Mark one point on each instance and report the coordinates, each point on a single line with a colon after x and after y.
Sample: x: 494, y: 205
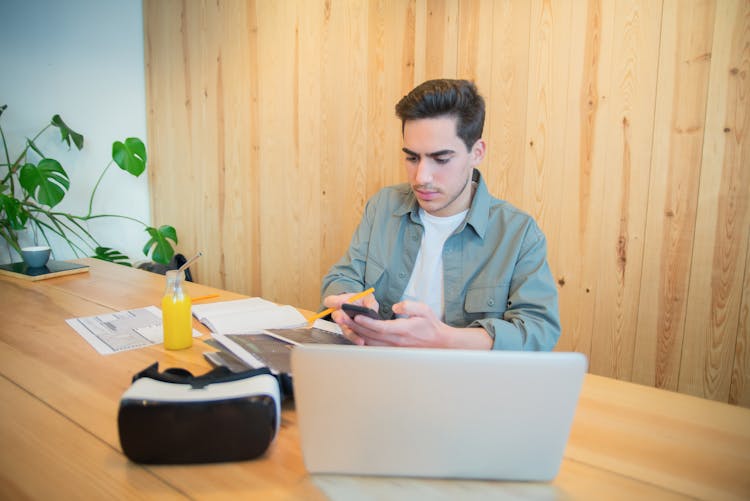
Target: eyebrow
x: 431, y: 155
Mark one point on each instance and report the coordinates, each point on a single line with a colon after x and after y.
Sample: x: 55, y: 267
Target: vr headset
x: 173, y: 417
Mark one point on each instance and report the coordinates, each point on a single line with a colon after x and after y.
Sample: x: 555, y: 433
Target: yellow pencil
x: 201, y: 298
x: 350, y: 300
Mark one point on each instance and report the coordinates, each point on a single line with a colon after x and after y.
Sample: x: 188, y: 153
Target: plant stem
x: 10, y: 240
x: 112, y: 215
x: 44, y: 235
x: 61, y: 232
x: 54, y: 215
x: 81, y: 227
x: 93, y: 192
x: 54, y: 218
x: 15, y: 165
x: 7, y: 157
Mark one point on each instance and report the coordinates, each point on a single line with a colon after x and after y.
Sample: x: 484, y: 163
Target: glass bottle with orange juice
x: 176, y: 315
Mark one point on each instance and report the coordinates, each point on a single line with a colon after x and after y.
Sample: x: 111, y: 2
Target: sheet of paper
x: 122, y: 330
x: 203, y: 311
x: 327, y: 325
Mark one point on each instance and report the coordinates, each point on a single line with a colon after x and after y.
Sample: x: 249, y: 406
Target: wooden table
x: 59, y: 400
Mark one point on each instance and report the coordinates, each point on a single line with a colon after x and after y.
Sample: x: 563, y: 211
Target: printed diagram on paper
x: 123, y: 330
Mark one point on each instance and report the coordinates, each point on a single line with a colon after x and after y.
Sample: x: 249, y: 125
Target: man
x: 452, y: 266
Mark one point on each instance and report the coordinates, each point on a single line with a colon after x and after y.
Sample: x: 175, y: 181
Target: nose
x: 423, y: 175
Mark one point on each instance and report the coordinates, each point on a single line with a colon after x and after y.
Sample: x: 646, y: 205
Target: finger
x: 367, y: 326
x: 378, y: 332
x: 333, y: 301
x: 413, y: 309
x: 343, y: 321
x: 347, y: 324
x: 353, y: 337
x: 375, y: 342
x: 371, y: 302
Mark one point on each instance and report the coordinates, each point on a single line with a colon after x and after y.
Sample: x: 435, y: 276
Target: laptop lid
x: 435, y: 413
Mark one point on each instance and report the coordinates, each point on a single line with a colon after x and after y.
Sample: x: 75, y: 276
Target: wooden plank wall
x: 621, y: 125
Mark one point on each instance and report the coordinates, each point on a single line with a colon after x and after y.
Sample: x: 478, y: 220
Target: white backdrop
x: 83, y: 60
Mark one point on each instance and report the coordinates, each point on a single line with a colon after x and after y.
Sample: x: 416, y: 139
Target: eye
x: 442, y: 160
x: 412, y: 159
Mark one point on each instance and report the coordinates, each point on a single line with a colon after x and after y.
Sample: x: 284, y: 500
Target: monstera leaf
x: 47, y: 182
x: 67, y: 133
x: 14, y: 211
x: 162, y: 249
x: 130, y: 155
x: 111, y: 255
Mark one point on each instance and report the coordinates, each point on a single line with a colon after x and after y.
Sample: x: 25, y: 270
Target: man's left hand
x: 417, y: 327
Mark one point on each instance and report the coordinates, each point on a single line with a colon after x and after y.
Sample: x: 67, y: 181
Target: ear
x: 478, y: 150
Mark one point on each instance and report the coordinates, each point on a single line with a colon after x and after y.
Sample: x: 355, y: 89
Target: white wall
x: 82, y: 59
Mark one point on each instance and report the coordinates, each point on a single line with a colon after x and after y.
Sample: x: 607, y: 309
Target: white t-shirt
x: 426, y: 282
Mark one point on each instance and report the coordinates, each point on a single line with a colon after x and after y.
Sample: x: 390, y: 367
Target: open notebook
x: 435, y: 413
x: 247, y: 315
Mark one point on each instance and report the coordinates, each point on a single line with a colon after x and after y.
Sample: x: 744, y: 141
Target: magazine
x: 272, y: 347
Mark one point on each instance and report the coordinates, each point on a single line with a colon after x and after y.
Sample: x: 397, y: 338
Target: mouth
x: 426, y: 195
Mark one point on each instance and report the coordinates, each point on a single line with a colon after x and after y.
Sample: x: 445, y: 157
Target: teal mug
x: 37, y: 256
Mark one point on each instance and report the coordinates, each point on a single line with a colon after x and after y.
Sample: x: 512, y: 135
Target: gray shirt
x: 495, y: 270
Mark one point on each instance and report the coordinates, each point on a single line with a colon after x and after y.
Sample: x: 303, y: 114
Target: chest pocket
x: 486, y: 302
x: 373, y: 274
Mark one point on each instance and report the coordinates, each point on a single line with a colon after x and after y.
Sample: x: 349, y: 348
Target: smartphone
x: 354, y: 309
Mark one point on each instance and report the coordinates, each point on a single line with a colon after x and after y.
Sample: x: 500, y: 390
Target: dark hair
x: 436, y: 98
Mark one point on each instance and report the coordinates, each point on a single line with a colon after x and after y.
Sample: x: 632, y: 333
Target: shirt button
x: 491, y: 302
x: 402, y: 274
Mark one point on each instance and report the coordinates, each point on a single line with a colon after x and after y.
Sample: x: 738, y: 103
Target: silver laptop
x: 435, y: 413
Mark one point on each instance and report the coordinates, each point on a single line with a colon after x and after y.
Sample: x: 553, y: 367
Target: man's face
x: 439, y: 166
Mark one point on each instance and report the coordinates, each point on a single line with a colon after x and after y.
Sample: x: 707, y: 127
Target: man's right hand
x: 342, y: 319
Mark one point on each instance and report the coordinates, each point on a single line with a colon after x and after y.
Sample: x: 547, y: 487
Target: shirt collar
x: 478, y: 210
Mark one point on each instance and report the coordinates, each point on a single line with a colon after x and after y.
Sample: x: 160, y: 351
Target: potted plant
x: 33, y: 184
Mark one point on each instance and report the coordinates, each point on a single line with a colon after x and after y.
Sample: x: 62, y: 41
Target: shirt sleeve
x: 532, y: 319
x: 348, y: 274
